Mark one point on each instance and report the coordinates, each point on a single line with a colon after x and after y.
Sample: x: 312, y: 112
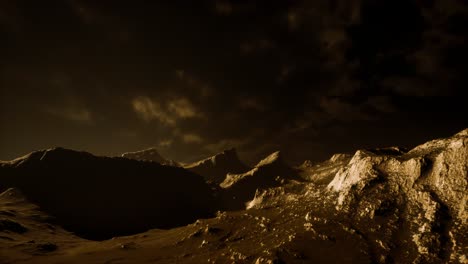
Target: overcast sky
x: 309, y: 78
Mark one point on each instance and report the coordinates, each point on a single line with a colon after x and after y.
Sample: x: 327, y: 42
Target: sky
x: 192, y: 78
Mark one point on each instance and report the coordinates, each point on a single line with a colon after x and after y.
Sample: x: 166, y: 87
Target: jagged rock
x: 101, y: 197
x: 307, y: 164
x: 324, y: 172
x: 269, y: 172
x: 263, y: 198
x: 215, y: 169
x: 390, y: 151
x: 340, y: 157
x: 150, y: 154
x: 419, y: 196
x: 273, y: 161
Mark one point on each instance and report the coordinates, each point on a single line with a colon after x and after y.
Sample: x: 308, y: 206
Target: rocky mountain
x: 101, y: 197
x: 150, y: 154
x: 214, y: 169
x: 324, y: 172
x: 419, y: 197
x: 406, y: 206
x: 269, y: 172
x: 387, y: 205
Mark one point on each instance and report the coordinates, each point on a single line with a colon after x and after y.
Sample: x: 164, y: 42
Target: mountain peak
x: 54, y: 154
x: 61, y: 152
x: 214, y: 169
x: 231, y: 151
x: 150, y: 154
x: 339, y: 157
x: 441, y: 143
x: 275, y: 157
x: 228, y: 154
x: 271, y: 171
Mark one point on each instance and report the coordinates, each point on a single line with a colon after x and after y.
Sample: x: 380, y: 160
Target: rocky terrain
x: 237, y: 189
x: 387, y: 205
x: 324, y: 172
x: 214, y: 169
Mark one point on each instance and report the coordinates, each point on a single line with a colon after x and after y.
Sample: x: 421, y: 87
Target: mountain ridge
x: 215, y: 168
x: 239, y: 189
x: 150, y: 154
x: 383, y: 205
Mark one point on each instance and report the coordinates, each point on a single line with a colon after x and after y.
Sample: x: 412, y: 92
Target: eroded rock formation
x: 417, y: 199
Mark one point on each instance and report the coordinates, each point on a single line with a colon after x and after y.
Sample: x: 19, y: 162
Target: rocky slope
x: 100, y: 197
x: 150, y: 154
x: 214, y: 169
x: 419, y: 198
x: 379, y: 206
x: 406, y: 206
x: 324, y: 172
x: 237, y: 189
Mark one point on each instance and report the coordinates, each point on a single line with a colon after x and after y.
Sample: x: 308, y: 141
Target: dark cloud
x: 224, y: 7
x: 71, y: 113
x: 307, y: 77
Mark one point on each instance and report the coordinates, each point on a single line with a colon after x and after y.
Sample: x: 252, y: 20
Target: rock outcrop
x: 101, y: 197
x: 324, y: 172
x: 418, y: 199
x: 215, y: 169
x: 150, y: 154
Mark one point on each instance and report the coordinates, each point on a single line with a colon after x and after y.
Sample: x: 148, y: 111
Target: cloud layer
x: 307, y: 77
x: 167, y: 113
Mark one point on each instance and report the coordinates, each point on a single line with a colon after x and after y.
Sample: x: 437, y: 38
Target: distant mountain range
x: 150, y: 154
x: 384, y: 205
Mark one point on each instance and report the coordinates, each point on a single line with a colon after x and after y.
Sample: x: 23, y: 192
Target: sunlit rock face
x: 273, y: 166
x: 214, y: 169
x: 418, y: 197
x: 323, y: 173
x: 150, y: 154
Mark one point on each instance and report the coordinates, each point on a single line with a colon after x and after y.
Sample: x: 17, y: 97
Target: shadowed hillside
x: 100, y: 197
